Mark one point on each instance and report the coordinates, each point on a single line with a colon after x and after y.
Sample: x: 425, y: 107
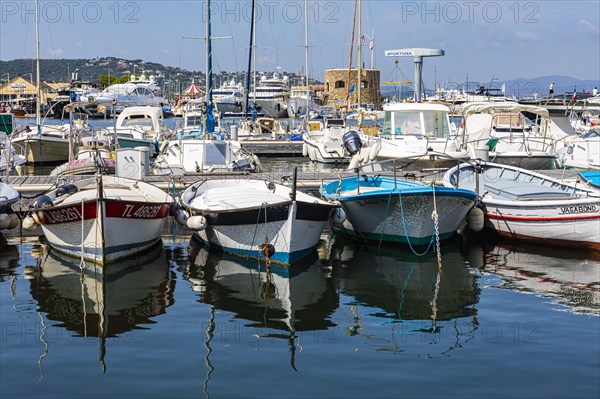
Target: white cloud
x: 58, y: 52
x: 165, y: 51
x: 527, y: 36
x: 79, y: 45
x: 589, y: 27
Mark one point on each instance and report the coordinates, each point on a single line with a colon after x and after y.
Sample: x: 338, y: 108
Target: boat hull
x: 43, y: 150
x: 566, y: 224
x: 273, y: 108
x: 405, y: 219
x: 112, y: 229
x: 293, y: 228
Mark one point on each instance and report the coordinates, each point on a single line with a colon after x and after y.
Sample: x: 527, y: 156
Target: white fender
x: 475, y: 219
x: 29, y: 223
x: 197, y: 223
x: 304, y: 150
x: 373, y: 152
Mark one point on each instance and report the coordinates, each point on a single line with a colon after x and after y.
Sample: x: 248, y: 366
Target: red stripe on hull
x: 135, y: 210
x: 113, y: 209
x: 540, y: 219
x: 67, y: 214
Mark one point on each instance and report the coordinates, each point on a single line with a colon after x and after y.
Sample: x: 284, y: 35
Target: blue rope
x: 406, y: 232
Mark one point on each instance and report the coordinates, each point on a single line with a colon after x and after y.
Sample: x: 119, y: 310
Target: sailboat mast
x: 306, y: 56
x: 250, y: 48
x: 254, y: 45
x: 359, y: 59
x: 208, y: 57
x: 37, y: 67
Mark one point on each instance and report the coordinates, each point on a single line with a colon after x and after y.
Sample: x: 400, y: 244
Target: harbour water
x: 352, y: 321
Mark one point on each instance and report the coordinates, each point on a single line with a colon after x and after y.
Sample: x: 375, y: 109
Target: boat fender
x: 163, y: 146
x: 373, y: 152
x: 365, y: 155
x: 304, y: 150
x: 258, y: 165
x: 476, y: 219
x: 181, y: 217
x: 66, y: 189
x: 14, y: 221
x: 268, y: 249
x: 173, y: 208
x: 29, y: 223
x: 337, y: 216
x: 43, y: 202
x: 197, y: 223
x: 4, y: 221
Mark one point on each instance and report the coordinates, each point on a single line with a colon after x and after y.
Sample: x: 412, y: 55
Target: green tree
x: 106, y: 80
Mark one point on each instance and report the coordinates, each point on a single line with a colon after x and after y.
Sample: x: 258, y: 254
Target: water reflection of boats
x: 403, y: 285
x: 293, y: 299
x: 569, y: 276
x: 9, y: 260
x: 103, y: 302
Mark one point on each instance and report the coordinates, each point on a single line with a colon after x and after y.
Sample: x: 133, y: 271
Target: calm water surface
x: 353, y: 321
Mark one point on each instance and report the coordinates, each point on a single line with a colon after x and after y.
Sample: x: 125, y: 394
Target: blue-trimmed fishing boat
x: 398, y: 211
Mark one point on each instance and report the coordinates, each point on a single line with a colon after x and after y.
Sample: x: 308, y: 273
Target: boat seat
x: 222, y: 198
x: 526, y: 192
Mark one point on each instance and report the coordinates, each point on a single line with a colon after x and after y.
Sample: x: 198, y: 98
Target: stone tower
x: 337, y: 85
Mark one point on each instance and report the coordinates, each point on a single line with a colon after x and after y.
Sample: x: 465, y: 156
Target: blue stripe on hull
x: 91, y: 253
x: 281, y: 258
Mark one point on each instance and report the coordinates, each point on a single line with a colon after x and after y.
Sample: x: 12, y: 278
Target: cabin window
x: 340, y: 84
x: 364, y: 84
x: 406, y: 123
x: 436, y: 124
x: 387, y: 124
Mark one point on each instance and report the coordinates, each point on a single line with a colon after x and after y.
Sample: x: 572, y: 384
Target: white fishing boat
x: 528, y: 206
x: 323, y: 141
x: 510, y: 133
x: 416, y: 134
x: 385, y: 209
x: 140, y: 127
x: 103, y: 218
x: 255, y: 218
x: 10, y: 159
x: 94, y: 153
x: 8, y: 196
x: 582, y: 152
x: 263, y: 128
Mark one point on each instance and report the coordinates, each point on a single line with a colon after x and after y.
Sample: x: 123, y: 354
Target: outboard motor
x: 43, y: 202
x: 66, y: 189
x: 352, y: 142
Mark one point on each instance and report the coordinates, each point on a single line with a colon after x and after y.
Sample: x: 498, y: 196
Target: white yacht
x: 229, y: 97
x: 296, y: 104
x: 271, y: 95
x: 136, y: 92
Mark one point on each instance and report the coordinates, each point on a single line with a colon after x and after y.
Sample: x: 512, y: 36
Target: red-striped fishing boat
x: 529, y: 206
x: 104, y: 218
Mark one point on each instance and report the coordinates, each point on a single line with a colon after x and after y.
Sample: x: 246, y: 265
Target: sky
x: 483, y: 40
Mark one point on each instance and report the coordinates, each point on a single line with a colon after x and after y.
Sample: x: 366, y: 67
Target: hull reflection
x: 103, y: 302
x: 569, y: 276
x: 403, y: 285
x: 293, y: 299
